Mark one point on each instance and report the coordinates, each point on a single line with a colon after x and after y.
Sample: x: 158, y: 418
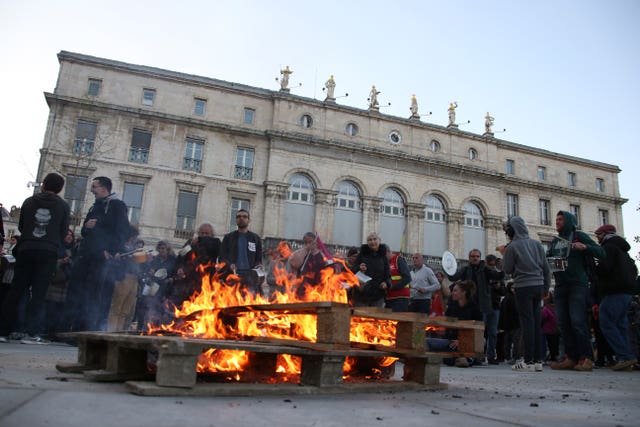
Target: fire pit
x: 225, y: 341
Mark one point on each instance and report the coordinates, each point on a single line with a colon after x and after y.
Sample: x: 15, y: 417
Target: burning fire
x: 204, y: 316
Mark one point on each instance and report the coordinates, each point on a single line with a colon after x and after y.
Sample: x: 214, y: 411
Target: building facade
x: 184, y: 149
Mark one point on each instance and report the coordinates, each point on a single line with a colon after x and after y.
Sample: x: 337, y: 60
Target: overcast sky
x: 558, y: 75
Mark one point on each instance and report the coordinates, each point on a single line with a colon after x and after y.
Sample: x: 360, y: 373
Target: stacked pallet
x: 124, y: 357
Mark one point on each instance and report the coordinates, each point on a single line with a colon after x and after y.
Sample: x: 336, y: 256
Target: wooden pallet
x: 123, y: 357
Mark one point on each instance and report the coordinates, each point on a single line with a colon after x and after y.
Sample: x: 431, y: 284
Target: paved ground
x: 33, y: 394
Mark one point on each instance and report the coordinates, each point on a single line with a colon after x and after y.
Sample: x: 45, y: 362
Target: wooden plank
x: 148, y: 388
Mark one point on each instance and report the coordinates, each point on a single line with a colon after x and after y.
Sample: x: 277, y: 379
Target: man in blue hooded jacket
x: 572, y: 291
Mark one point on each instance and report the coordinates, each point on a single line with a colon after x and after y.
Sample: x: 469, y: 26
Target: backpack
x: 628, y: 269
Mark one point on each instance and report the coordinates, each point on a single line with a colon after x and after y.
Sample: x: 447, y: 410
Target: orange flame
x: 203, y: 316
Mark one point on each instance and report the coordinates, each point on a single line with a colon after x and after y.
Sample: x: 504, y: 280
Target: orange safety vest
x: 396, y: 277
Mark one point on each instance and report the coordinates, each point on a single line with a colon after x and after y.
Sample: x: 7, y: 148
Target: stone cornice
x: 454, y: 169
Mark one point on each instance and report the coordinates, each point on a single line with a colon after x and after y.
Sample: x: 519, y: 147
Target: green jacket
x: 576, y: 271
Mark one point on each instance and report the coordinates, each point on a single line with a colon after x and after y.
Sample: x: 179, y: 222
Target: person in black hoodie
x: 372, y: 261
x: 43, y: 223
x: 104, y: 233
x: 616, y: 274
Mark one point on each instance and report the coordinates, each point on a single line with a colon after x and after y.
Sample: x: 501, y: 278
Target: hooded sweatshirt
x: 524, y: 258
x: 43, y: 223
x: 576, y: 272
x: 614, y: 271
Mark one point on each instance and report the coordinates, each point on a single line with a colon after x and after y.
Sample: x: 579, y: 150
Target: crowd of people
x: 105, y: 280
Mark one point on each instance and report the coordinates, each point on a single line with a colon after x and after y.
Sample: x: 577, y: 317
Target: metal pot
x: 140, y: 257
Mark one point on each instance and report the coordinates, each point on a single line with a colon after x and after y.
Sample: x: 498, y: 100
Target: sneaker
x: 521, y: 366
x: 585, y: 365
x: 462, y: 362
x: 537, y: 367
x: 16, y: 336
x: 565, y: 364
x: 624, y: 365
x: 4, y: 339
x: 493, y: 362
x: 34, y: 340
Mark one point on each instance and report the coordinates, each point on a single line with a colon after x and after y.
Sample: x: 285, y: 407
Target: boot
x: 585, y: 365
x: 564, y: 365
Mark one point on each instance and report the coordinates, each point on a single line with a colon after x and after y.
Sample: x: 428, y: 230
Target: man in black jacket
x: 241, y: 251
x: 104, y: 231
x: 616, y: 273
x: 43, y: 223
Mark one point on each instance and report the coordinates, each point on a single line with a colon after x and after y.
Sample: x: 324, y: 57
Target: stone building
x: 184, y: 149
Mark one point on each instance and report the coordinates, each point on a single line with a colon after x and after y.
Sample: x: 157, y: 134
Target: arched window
x: 306, y: 121
x: 434, y: 239
x: 434, y: 210
x: 300, y: 189
x: 351, y: 129
x: 473, y: 154
x: 348, y: 196
x: 434, y: 146
x: 392, y: 203
x: 347, y: 221
x: 473, y: 215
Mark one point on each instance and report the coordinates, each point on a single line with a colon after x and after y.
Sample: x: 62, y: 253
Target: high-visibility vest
x: 396, y: 278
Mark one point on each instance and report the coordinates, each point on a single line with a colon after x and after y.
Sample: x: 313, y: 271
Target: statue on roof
x: 452, y: 113
x: 330, y: 86
x: 284, y: 78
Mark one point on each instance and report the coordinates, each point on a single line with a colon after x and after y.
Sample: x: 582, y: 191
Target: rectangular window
x: 94, y: 87
x: 603, y: 217
x: 140, y: 145
x: 575, y: 210
x: 148, y: 96
x: 542, y: 173
x: 132, y: 197
x: 512, y: 205
x: 510, y: 167
x: 572, y: 179
x: 74, y: 192
x: 244, y: 163
x: 544, y: 212
x: 600, y: 185
x: 193, y: 155
x: 187, y: 206
x: 85, y: 137
x: 199, y: 106
x: 236, y: 205
x: 249, y: 115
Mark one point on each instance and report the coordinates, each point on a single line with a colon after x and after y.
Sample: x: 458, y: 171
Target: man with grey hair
x: 423, y: 283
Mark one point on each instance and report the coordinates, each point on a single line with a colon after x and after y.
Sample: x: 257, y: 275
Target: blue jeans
x: 571, y: 308
x: 528, y: 302
x: 614, y: 324
x: 491, y: 329
x: 442, y: 345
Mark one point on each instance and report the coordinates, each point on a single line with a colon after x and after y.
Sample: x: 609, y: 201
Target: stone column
x: 495, y: 234
x: 325, y: 213
x: 415, y: 227
x: 455, y: 221
x: 370, y: 215
x: 275, y: 195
